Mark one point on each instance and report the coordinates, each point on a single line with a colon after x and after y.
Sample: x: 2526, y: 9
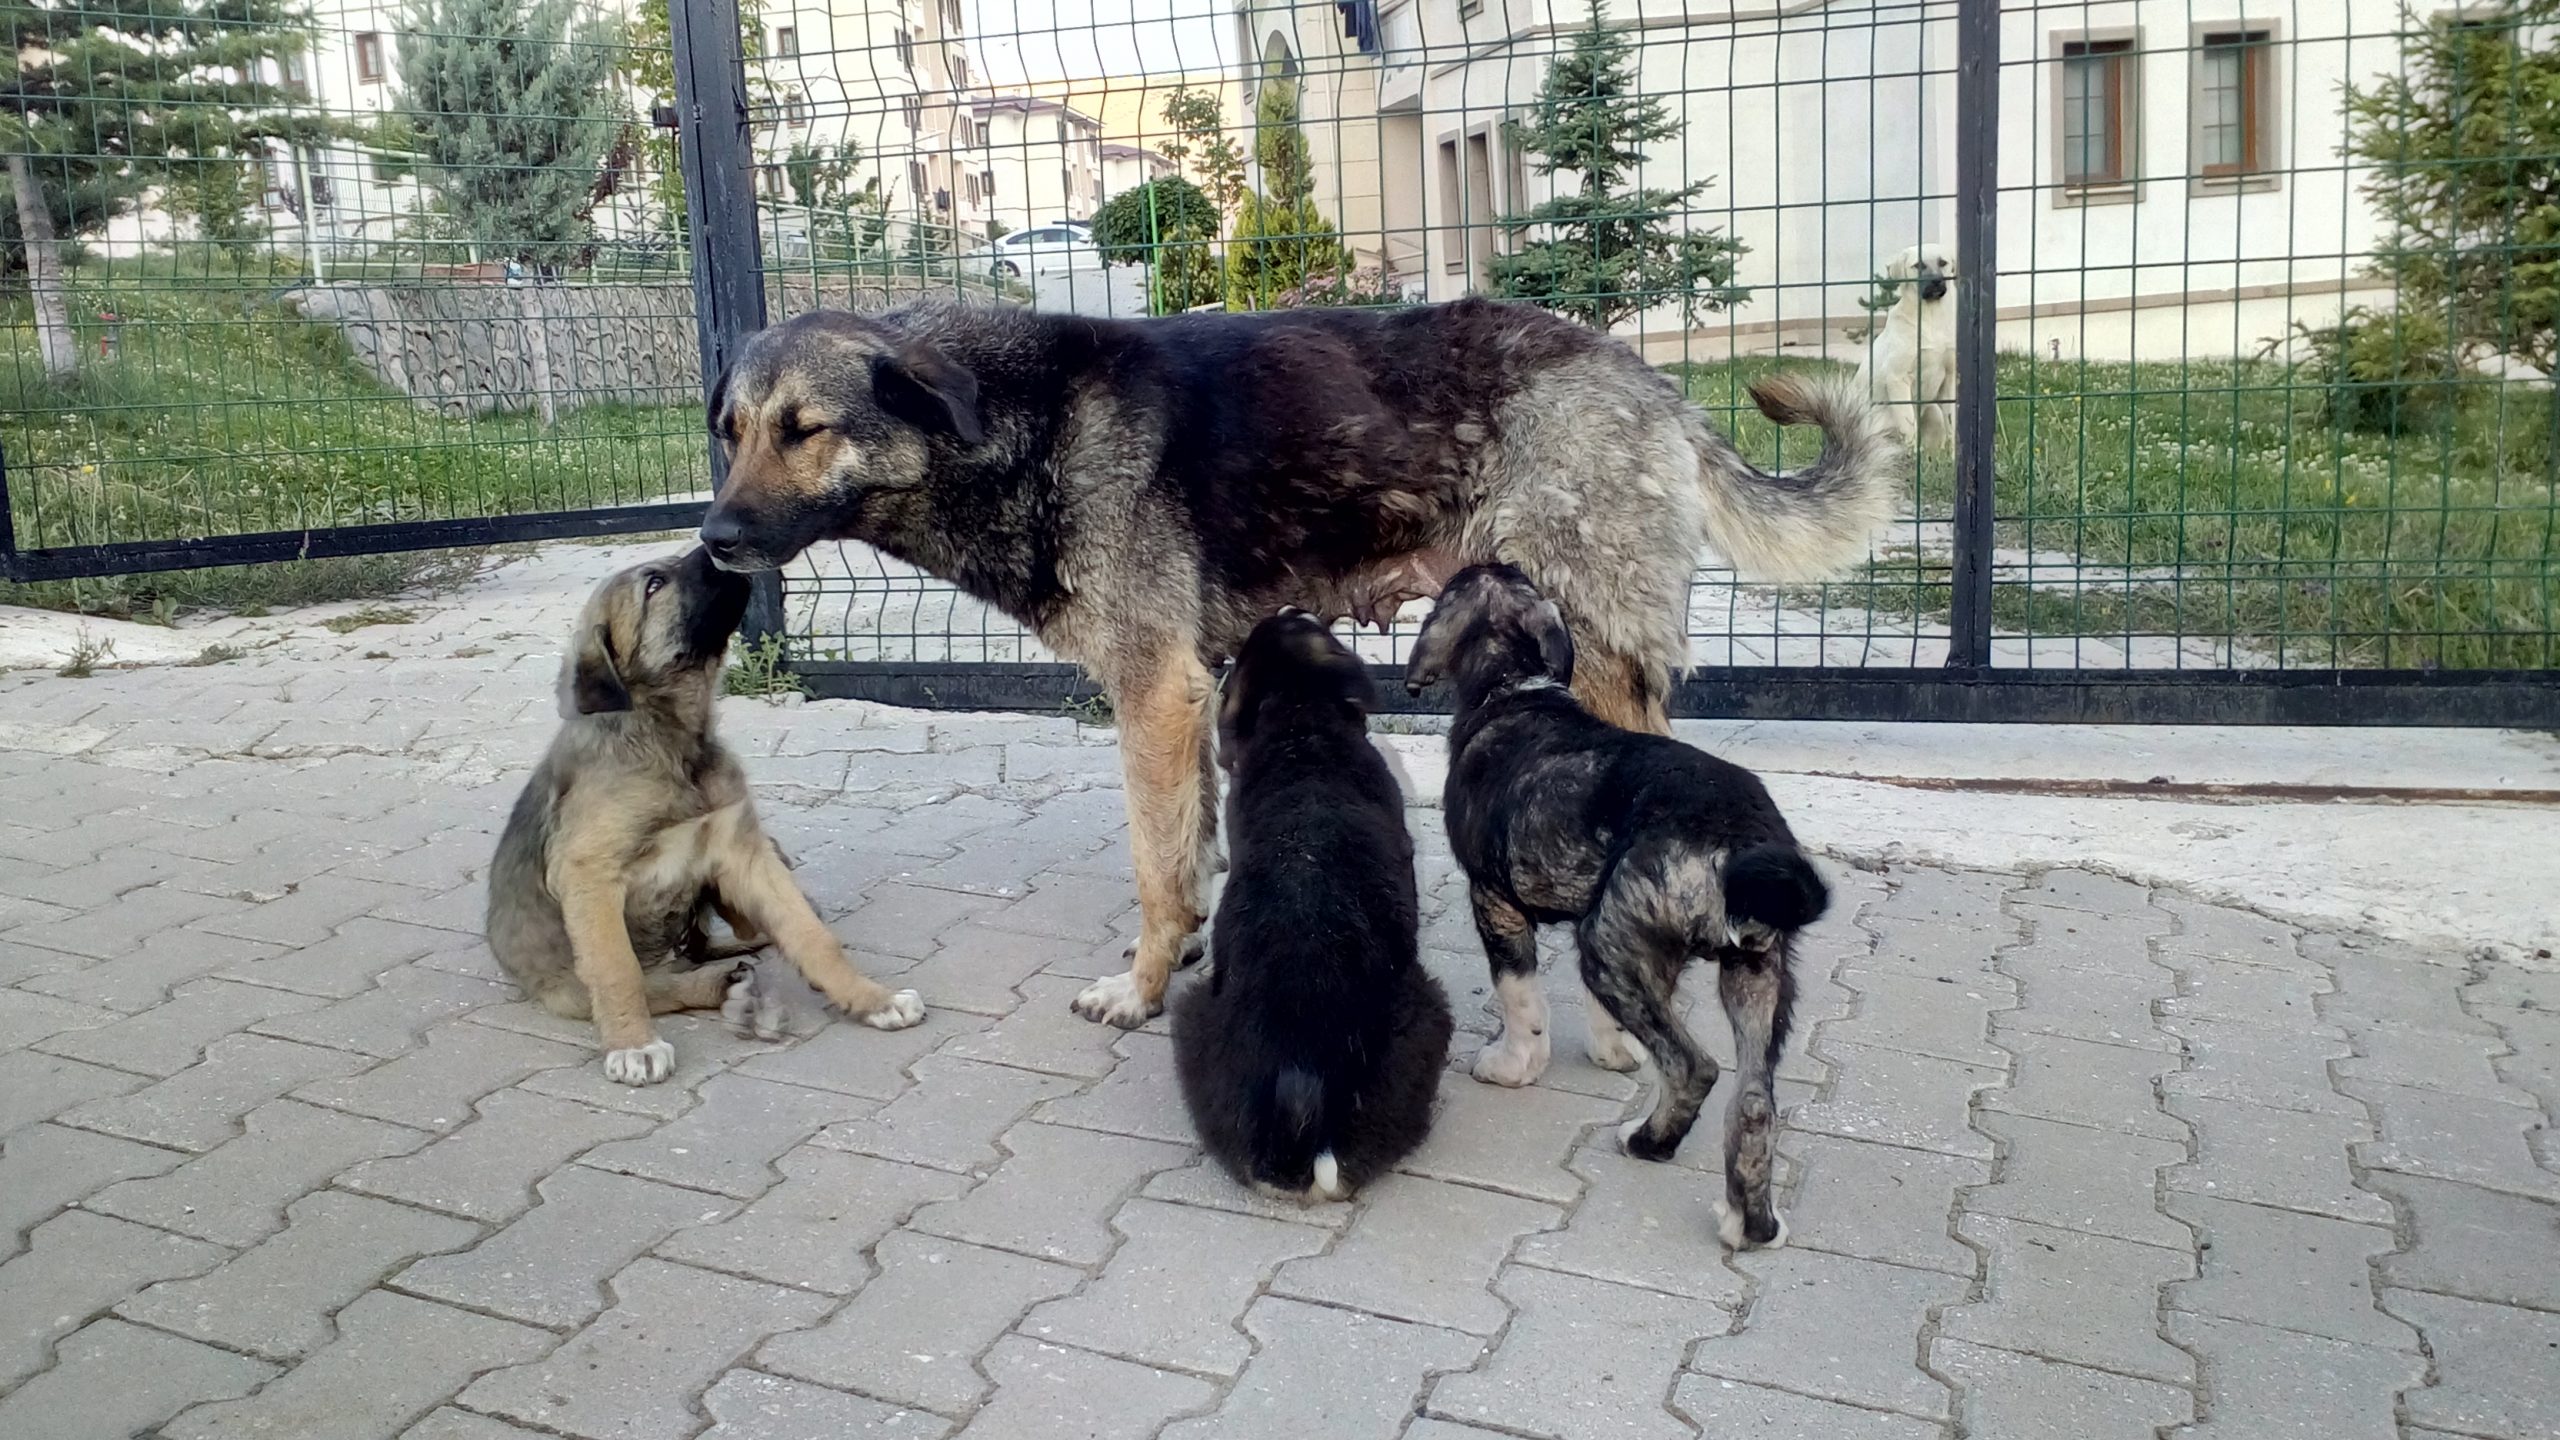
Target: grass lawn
x: 224, y: 412
x: 2213, y: 499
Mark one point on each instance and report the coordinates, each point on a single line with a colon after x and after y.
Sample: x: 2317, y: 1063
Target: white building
x: 2171, y: 179
x: 1126, y: 167
x: 1043, y: 158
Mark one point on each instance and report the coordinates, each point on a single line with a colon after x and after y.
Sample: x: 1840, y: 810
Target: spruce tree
x: 1606, y: 252
x: 1281, y: 240
x: 101, y: 100
x: 513, y: 114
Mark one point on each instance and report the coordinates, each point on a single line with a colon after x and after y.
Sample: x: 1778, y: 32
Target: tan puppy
x: 637, y: 828
x: 1911, y: 371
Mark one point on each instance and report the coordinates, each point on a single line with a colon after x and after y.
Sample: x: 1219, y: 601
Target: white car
x: 1041, y: 250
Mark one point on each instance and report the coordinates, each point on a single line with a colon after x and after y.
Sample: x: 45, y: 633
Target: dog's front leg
x: 600, y: 951
x: 753, y: 879
x: 1164, y: 722
x: 1519, y: 1055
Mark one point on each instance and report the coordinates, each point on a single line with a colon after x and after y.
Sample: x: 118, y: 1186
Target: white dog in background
x: 1911, y: 368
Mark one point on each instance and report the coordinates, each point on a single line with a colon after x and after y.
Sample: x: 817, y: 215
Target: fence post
x: 1977, y: 325
x: 717, y: 156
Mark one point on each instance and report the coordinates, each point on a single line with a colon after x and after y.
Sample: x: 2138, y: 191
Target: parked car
x: 1051, y: 249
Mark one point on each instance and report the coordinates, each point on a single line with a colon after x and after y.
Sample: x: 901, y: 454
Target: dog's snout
x: 724, y: 534
x: 1934, y: 288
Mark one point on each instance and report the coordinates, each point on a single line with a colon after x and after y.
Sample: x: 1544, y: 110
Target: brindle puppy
x: 637, y: 827
x: 1658, y: 854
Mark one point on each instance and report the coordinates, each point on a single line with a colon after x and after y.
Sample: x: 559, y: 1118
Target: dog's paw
x: 1514, y: 1060
x: 641, y: 1064
x: 1616, y: 1050
x: 752, y: 1009
x: 904, y: 1009
x: 1114, y: 1000
x: 1638, y: 1143
x: 1729, y: 1229
x: 1195, y: 947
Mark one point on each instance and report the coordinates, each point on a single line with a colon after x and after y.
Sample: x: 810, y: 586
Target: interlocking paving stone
x: 26, y: 1018
x: 486, y: 1169
x: 1817, y: 1326
x: 2426, y: 1059
x: 815, y: 1230
x: 746, y: 1405
x: 855, y: 1059
x: 235, y: 1195
x: 2219, y: 932
x: 113, y: 1381
x: 1421, y: 1250
x: 2289, y: 1270
x: 2456, y: 1137
x: 2261, y: 1065
x: 138, y: 977
x: 435, y: 1086
x: 1878, y: 1202
x: 2075, y: 1178
x: 977, y: 968
x: 44, y: 1168
x: 951, y: 1119
x: 203, y: 1106
x: 275, y: 1300
x: 451, y: 1424
x: 912, y: 1335
x: 394, y: 1359
x: 1514, y: 1140
x: 1050, y: 1392
x: 1172, y: 1294
x: 2083, y: 1299
x: 1645, y: 1224
x: 899, y: 919
x: 173, y: 1035
x: 2108, y: 1087
x: 1140, y: 1097
x: 1042, y: 1034
x: 1054, y: 1194
x: 1206, y: 1184
x: 2004, y: 1395
x: 1321, y: 1371
x: 75, y: 1266
x: 729, y: 1142
x: 27, y: 966
x: 1898, y: 1099
x: 2392, y: 984
x: 2266, y: 1384
x: 634, y: 1371
x: 2493, y: 1366
x: 2465, y: 1241
x: 1583, y: 1358
x: 2059, y: 994
x: 1942, y: 1016
x: 35, y: 1087
x: 550, y: 1266
x: 2284, y: 1158
x: 704, y: 1048
x: 389, y: 1019
x: 2247, y: 995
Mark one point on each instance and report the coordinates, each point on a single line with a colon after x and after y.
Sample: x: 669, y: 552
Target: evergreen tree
x: 514, y: 114
x: 1170, y: 225
x: 100, y: 100
x: 1606, y: 252
x: 1281, y: 239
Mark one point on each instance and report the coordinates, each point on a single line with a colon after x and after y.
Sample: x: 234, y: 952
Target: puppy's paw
x: 1729, y: 1229
x: 904, y: 1009
x: 641, y: 1064
x: 1617, y: 1050
x: 752, y: 1009
x: 1642, y: 1144
x: 1517, y: 1059
x: 1114, y: 1000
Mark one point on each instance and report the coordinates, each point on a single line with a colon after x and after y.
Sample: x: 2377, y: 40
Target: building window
x: 906, y: 44
x: 786, y: 41
x: 959, y: 72
x: 914, y: 108
x: 2097, y: 113
x: 950, y: 17
x: 987, y: 184
x: 1453, y: 235
x: 296, y: 72
x: 986, y: 134
x: 916, y: 178
x: 1479, y: 205
x: 369, y: 57
x: 2232, y: 113
x: 795, y: 110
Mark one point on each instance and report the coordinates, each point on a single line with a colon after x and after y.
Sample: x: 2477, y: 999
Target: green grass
x: 2320, y: 545
x: 224, y: 412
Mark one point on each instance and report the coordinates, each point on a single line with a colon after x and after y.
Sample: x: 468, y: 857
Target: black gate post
x: 717, y: 156
x: 1977, y: 325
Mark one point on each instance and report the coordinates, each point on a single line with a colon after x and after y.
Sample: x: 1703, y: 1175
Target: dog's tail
x: 1773, y: 886
x: 1297, y: 1103
x: 1800, y: 525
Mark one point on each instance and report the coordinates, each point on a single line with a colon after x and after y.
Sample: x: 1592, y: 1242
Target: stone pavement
x: 281, y: 1156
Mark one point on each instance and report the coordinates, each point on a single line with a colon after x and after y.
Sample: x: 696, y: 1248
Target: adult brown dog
x: 1140, y: 493
x: 637, y: 828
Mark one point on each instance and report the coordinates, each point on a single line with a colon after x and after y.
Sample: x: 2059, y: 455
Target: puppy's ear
x: 1432, y: 650
x: 717, y: 401
x: 1546, y: 625
x: 930, y: 391
x: 1320, y: 652
x: 1901, y: 266
x: 1235, y: 723
x: 595, y: 684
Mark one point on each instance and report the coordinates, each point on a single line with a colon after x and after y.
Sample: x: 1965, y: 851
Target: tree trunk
x: 537, y: 343
x: 54, y: 340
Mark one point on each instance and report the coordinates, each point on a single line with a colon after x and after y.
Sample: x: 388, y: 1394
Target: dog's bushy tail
x: 1775, y: 886
x: 1799, y: 525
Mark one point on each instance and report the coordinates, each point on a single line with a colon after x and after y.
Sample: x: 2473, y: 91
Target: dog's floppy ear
x: 930, y: 391
x: 1321, y: 653
x: 715, y: 402
x: 1235, y: 726
x: 595, y: 685
x: 1903, y: 265
x: 1432, y: 650
x: 1545, y: 624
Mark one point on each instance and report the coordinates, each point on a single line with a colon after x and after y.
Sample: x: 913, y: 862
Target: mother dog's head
x: 829, y: 422
x: 1929, y: 267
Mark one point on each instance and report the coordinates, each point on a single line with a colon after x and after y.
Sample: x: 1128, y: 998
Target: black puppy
x: 1310, y: 1058
x: 1658, y: 852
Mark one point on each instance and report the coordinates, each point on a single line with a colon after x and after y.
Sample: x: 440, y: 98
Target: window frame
x: 368, y: 47
x: 2124, y: 48
x: 2262, y: 113
x: 786, y: 42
